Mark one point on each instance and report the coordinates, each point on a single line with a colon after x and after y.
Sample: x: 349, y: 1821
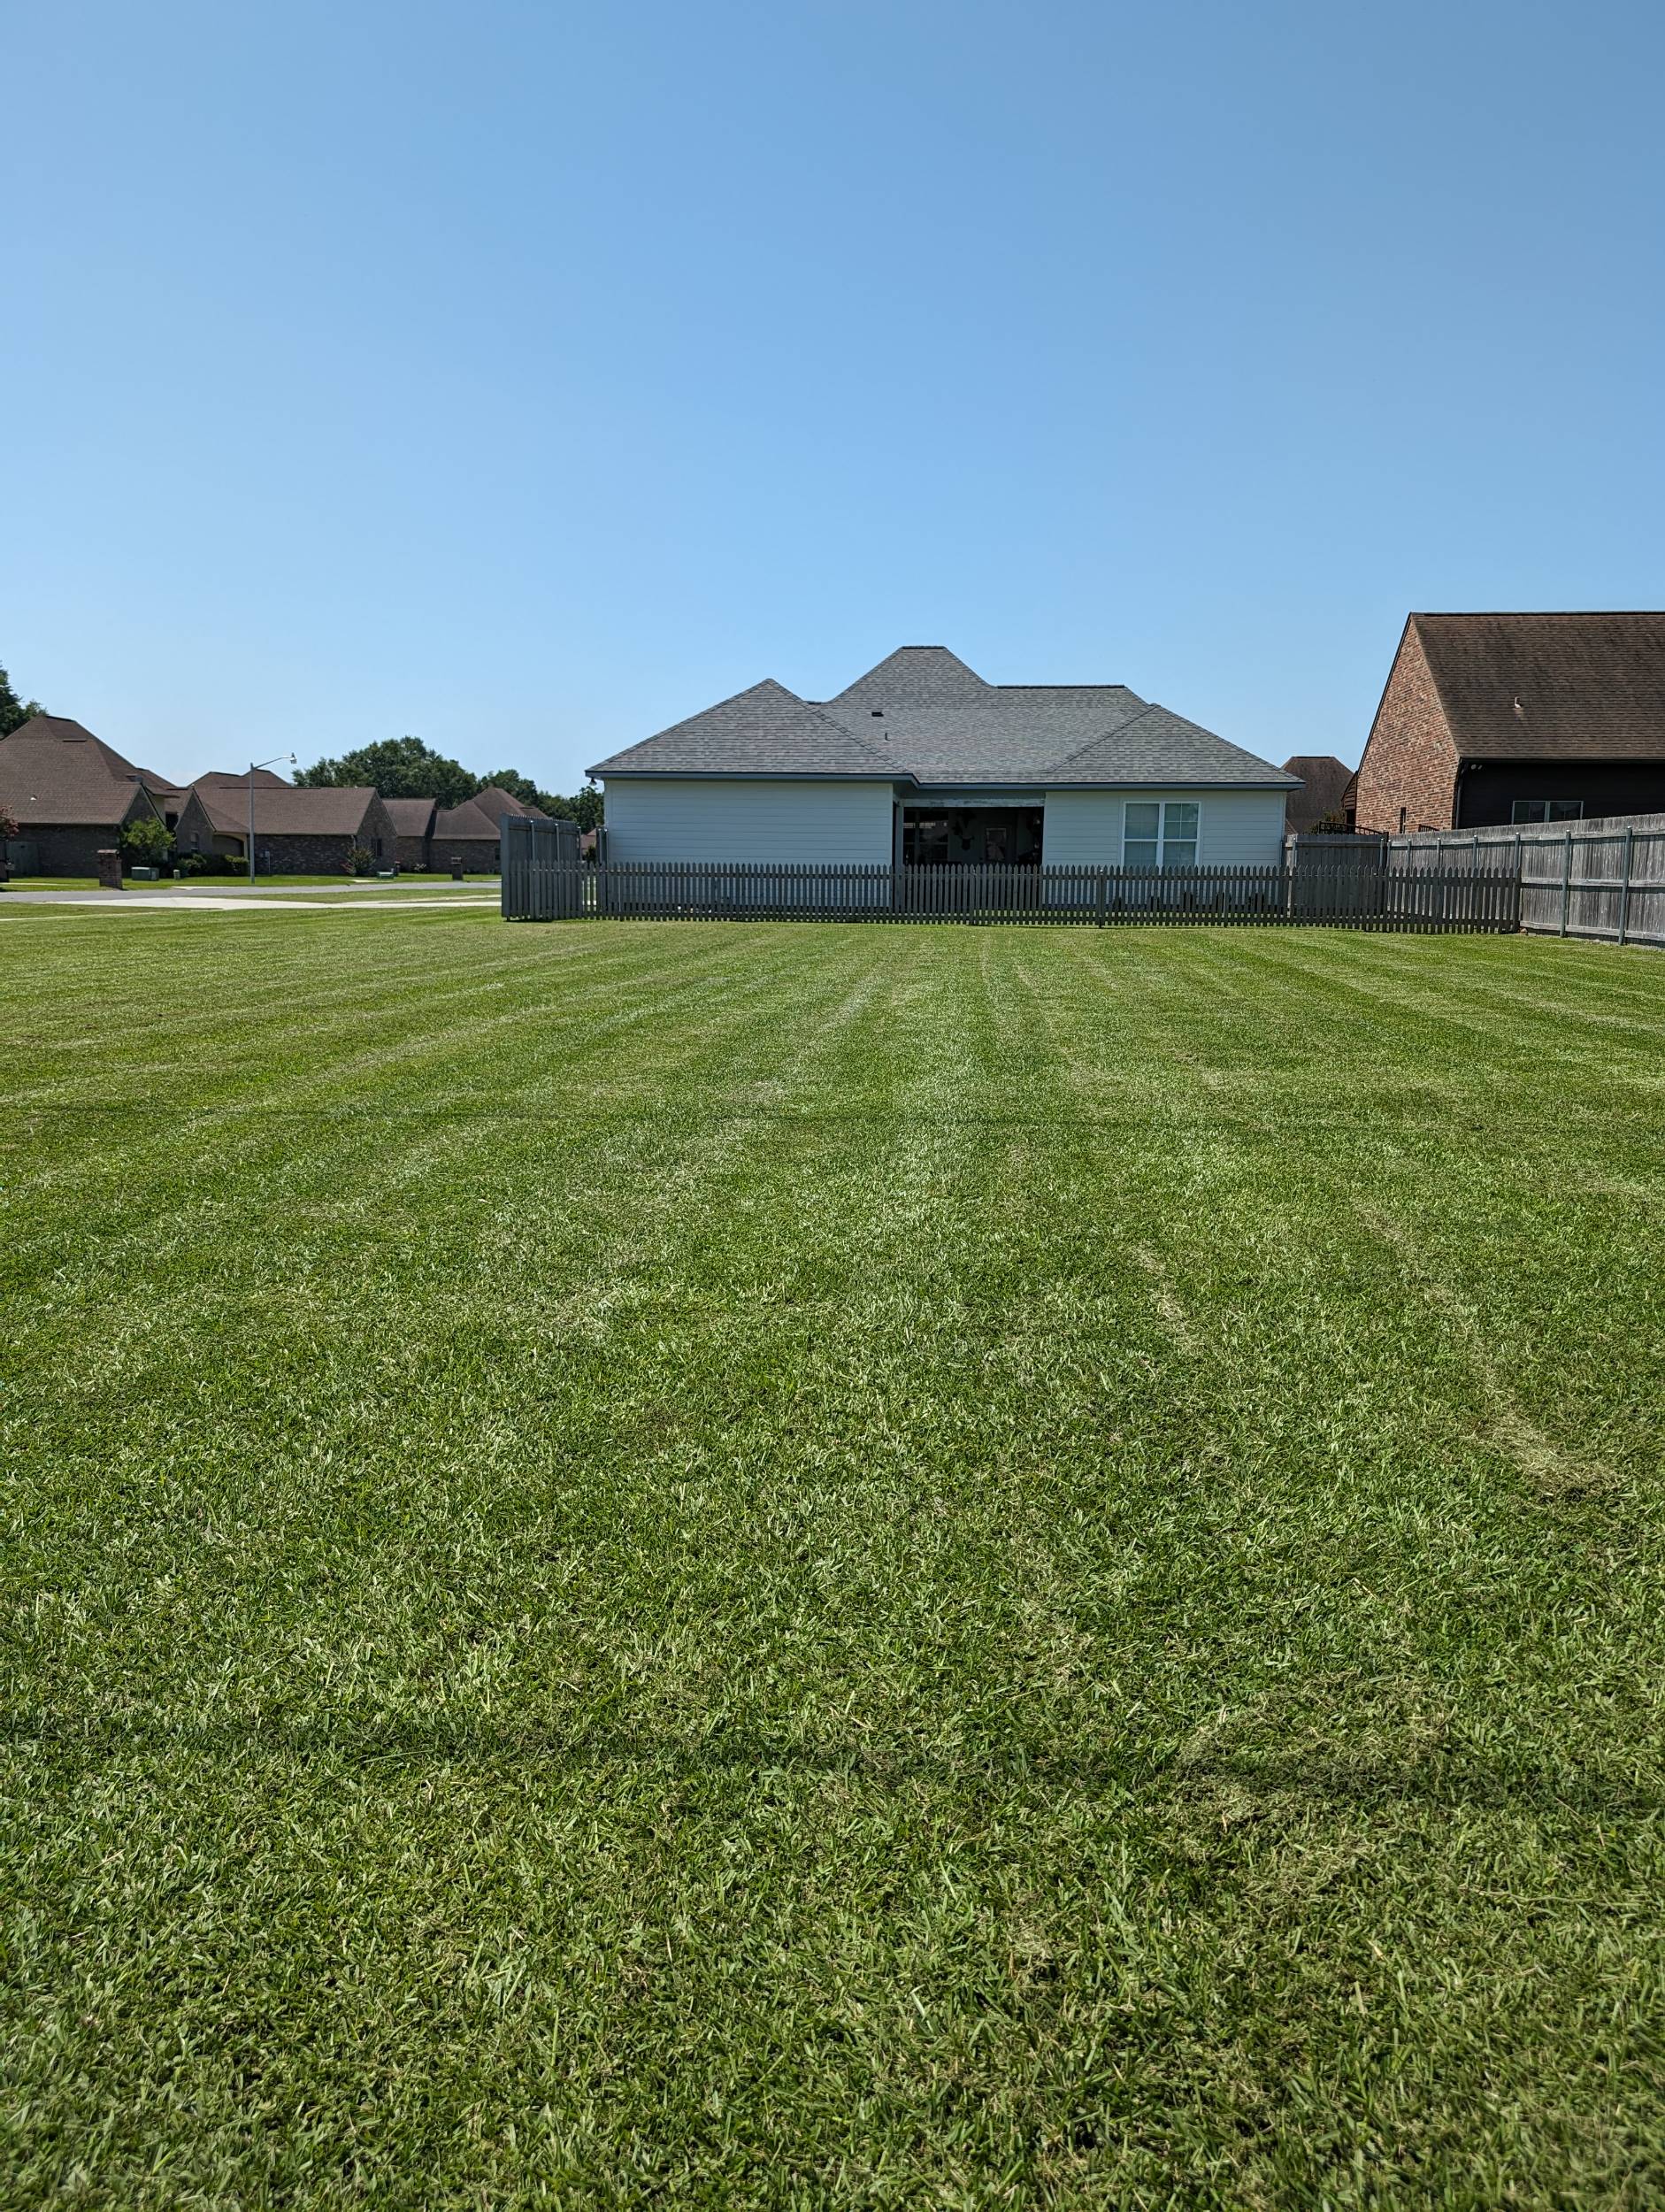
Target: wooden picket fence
x: 1347, y: 898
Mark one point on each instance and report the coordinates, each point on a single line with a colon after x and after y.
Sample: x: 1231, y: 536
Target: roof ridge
x: 1528, y: 614
x: 1149, y: 707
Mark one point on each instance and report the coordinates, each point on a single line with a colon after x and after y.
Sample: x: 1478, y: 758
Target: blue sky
x: 527, y: 377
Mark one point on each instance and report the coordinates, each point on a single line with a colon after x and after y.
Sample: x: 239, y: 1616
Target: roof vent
x: 877, y: 713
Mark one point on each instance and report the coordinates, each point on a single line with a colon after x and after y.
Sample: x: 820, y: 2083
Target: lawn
x: 791, y: 1566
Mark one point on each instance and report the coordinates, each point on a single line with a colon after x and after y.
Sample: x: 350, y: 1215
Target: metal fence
x: 1603, y: 879
x: 1347, y: 898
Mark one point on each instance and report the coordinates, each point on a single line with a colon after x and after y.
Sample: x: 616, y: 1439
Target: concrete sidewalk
x: 270, y: 901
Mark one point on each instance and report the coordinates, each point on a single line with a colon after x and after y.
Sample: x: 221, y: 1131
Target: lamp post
x: 254, y: 767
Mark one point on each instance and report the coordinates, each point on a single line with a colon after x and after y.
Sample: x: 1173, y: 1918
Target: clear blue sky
x: 527, y: 376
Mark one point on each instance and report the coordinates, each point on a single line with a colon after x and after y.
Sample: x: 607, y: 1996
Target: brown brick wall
x: 1411, y: 761
x: 65, y: 851
x: 477, y: 854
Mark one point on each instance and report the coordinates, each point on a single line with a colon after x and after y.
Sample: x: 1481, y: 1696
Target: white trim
x: 1194, y: 839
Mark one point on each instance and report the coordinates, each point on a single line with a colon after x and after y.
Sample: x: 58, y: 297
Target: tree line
x: 405, y: 768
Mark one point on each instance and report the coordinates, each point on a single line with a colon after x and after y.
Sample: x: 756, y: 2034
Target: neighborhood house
x: 1491, y: 720
x: 295, y: 832
x: 921, y: 762
x: 71, y: 795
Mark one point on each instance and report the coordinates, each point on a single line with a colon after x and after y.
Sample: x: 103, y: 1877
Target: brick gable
x: 1407, y: 777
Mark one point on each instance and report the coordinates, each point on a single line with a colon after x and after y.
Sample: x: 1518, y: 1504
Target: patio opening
x: 944, y: 837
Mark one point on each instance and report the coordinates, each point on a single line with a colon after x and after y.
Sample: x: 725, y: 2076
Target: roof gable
x: 410, y: 817
x: 1156, y: 745
x: 493, y: 800
x: 767, y: 731
x: 54, y: 773
x: 1537, y: 687
x: 469, y: 820
x: 914, y: 676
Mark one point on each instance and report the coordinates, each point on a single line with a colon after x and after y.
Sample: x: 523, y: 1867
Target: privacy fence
x: 538, y: 885
x: 1604, y: 879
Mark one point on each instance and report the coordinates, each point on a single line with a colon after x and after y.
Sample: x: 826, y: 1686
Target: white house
x: 921, y: 761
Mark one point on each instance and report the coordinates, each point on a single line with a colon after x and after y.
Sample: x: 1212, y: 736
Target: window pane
x: 1529, y: 811
x: 1143, y: 818
x: 1564, y: 810
x: 1138, y: 852
x: 1182, y: 818
x: 1179, y: 852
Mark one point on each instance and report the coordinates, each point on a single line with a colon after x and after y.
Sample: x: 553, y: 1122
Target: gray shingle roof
x: 767, y: 731
x: 922, y: 716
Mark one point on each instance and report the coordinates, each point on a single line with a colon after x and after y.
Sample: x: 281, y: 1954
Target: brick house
x: 310, y: 832
x: 412, y: 822
x: 71, y: 795
x: 1502, y: 718
x: 469, y: 833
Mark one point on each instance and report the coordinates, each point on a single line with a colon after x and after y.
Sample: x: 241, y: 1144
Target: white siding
x: 733, y: 818
x: 1236, y: 829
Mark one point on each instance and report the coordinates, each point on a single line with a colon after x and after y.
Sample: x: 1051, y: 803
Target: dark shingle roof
x: 1326, y: 783
x: 1550, y: 687
x: 923, y: 716
x: 54, y: 773
x: 495, y: 801
x: 409, y: 817
x: 469, y: 820
x: 237, y: 780
x: 321, y: 811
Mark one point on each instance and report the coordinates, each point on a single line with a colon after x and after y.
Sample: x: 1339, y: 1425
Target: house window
x: 1160, y: 834
x: 1546, y: 810
x: 1401, y: 821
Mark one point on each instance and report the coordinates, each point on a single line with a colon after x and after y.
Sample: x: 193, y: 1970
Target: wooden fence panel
x: 1603, y: 879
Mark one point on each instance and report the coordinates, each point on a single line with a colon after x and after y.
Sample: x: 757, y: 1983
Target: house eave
x: 906, y: 780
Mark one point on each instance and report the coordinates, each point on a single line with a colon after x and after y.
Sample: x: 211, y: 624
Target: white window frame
x: 1162, y: 805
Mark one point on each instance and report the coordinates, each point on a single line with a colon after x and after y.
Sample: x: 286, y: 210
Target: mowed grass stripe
x: 768, y: 1565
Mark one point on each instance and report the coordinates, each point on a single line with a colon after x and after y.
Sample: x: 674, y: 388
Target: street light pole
x: 254, y: 768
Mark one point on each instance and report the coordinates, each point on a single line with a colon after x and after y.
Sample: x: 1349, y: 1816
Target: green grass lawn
x: 791, y: 1566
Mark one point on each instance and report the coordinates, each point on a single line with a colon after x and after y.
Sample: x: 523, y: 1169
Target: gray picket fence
x: 1347, y: 898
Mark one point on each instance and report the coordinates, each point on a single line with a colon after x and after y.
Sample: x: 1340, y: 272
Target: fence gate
x: 542, y: 880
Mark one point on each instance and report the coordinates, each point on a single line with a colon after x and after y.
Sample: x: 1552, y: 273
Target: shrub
x: 358, y: 862
x: 147, y: 841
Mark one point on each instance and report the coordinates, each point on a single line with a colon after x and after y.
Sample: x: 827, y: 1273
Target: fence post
x: 1100, y: 892
x: 1566, y: 881
x: 1624, y: 888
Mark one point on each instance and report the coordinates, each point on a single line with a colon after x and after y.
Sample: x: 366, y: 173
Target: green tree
x: 14, y: 712
x: 583, y: 806
x: 147, y: 841
x: 399, y: 768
